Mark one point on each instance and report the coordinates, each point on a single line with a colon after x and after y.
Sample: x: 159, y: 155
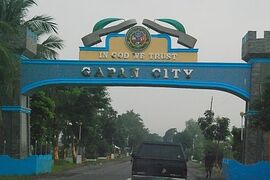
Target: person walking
x: 209, y: 161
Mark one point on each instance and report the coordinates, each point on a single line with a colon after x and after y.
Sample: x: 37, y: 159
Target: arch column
x: 257, y: 53
x: 14, y: 106
x: 16, y: 123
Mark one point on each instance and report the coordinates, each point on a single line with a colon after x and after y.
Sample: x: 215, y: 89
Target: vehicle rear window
x: 161, y: 151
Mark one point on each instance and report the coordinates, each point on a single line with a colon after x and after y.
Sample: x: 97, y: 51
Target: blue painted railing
x: 234, y: 170
x: 35, y: 164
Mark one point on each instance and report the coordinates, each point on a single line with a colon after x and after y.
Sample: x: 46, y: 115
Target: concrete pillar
x: 16, y: 129
x: 14, y: 106
x: 256, y: 52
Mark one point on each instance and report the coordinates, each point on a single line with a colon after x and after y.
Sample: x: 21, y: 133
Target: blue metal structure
x: 31, y: 165
x: 234, y: 170
x: 230, y: 77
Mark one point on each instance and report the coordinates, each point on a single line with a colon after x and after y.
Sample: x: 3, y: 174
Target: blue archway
x: 230, y: 77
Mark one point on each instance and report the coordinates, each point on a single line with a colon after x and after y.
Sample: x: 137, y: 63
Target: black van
x: 154, y: 160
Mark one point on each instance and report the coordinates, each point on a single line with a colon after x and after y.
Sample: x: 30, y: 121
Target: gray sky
x: 218, y: 25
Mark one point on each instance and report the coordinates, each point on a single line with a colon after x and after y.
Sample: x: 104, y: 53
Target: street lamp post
x: 4, y: 149
x: 35, y: 147
x: 242, y: 114
x: 193, y: 145
x: 46, y: 148
x: 80, y: 131
x: 79, y: 154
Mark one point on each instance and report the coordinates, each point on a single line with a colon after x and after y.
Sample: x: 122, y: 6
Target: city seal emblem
x: 138, y: 38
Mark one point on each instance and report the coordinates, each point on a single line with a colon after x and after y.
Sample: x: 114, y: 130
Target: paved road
x: 114, y: 170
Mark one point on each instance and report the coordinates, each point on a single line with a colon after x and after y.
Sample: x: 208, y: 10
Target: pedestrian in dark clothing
x: 209, y: 161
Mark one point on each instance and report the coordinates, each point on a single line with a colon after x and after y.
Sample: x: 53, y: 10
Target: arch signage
x: 138, y: 45
x: 229, y: 77
x: 138, y: 58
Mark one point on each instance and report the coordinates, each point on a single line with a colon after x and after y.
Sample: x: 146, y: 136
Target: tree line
x: 83, y: 118
x: 207, y: 134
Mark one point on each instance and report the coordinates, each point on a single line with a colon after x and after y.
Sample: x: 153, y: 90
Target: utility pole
x: 211, y: 104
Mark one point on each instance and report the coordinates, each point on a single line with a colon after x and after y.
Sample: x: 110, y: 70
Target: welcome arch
x: 230, y: 77
x: 138, y: 58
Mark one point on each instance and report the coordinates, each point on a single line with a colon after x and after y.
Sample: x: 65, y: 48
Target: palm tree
x: 47, y: 49
x: 12, y: 20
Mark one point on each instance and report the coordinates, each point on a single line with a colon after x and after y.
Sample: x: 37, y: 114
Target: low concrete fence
x: 234, y: 170
x: 35, y: 164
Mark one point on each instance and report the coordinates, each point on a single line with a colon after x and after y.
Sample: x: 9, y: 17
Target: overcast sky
x: 218, y: 26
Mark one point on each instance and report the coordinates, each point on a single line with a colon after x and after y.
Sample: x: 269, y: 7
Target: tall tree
x: 134, y: 126
x: 206, y: 124
x: 192, y: 139
x: 215, y: 130
x: 81, y: 108
x: 42, y: 116
x: 222, y: 128
x: 107, y: 123
x: 12, y: 21
x: 236, y: 143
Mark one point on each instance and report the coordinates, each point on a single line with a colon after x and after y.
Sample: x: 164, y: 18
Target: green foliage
x: 42, y: 118
x: 216, y: 131
x: 219, y: 149
x: 12, y: 20
x: 236, y: 143
x: 206, y: 124
x: 61, y: 165
x: 41, y: 24
x: 191, y: 139
x: 86, y: 109
x: 91, y: 150
x: 107, y: 123
x: 214, y: 128
x: 134, y: 129
x: 222, y: 128
x: 89, y: 108
x: 103, y: 147
x: 47, y: 49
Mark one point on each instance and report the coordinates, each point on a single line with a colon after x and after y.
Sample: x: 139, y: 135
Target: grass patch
x: 61, y: 165
x: 58, y: 166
